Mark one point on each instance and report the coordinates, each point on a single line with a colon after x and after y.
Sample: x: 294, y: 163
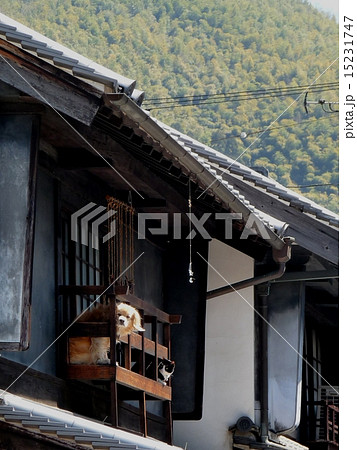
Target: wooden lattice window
x: 80, y: 265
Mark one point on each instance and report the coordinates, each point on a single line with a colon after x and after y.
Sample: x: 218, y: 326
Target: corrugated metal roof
x: 59, y: 55
x: 65, y: 425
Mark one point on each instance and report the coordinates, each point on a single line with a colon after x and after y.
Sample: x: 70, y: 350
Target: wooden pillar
x: 143, y: 417
x: 168, y: 415
x: 114, y: 409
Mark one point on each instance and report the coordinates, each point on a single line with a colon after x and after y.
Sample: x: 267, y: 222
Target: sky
x: 330, y: 6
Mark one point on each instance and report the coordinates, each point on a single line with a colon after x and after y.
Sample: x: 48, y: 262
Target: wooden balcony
x: 127, y: 375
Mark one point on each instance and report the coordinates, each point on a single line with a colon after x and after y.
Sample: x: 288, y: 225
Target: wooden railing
x: 324, y: 427
x: 331, y: 423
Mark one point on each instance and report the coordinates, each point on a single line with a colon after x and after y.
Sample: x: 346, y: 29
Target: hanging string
x: 190, y: 271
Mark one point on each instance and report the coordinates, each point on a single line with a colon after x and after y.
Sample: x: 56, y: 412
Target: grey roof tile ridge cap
x: 273, y: 183
x: 83, y: 60
x: 294, y: 195
x: 279, y: 226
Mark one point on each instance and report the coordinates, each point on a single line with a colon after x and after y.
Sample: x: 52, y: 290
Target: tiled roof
x: 289, y: 444
x: 35, y: 43
x: 229, y: 169
x: 232, y: 177
x: 64, y: 426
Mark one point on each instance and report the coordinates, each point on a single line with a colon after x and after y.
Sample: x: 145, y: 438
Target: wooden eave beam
x: 79, y: 159
x: 131, y: 167
x: 48, y: 84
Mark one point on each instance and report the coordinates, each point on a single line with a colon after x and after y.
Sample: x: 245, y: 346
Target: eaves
x: 312, y: 226
x: 52, y: 52
x: 206, y: 176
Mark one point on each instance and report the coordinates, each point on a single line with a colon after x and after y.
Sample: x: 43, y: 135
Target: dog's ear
x: 137, y: 321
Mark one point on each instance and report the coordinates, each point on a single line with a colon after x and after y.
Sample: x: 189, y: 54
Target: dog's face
x: 127, y: 319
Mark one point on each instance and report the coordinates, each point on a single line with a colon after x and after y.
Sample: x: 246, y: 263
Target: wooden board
x: 122, y: 376
x: 138, y: 382
x: 82, y: 372
x: 148, y: 308
x: 46, y: 83
x: 149, y: 346
x: 95, y: 329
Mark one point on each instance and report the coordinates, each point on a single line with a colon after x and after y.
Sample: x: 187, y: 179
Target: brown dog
x: 87, y: 350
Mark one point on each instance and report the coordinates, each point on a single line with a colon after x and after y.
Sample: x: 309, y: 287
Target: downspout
x: 281, y: 257
x: 263, y: 294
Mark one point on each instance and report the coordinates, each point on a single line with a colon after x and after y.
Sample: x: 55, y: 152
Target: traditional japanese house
x: 235, y: 276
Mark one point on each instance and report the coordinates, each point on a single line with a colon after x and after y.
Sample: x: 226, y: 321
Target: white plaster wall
x: 229, y: 355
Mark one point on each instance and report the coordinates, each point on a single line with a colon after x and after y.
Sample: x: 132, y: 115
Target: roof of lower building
x: 65, y: 426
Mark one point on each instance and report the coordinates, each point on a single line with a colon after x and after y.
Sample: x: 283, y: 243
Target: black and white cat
x: 165, y: 370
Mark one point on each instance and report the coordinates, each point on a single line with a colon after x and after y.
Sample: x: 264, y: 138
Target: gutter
x: 123, y: 103
x: 271, y: 276
x: 280, y: 256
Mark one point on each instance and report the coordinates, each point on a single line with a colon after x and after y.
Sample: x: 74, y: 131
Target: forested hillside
x: 217, y: 69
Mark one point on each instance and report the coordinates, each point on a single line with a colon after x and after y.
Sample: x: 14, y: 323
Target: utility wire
x: 159, y: 99
x: 225, y: 100
x: 230, y: 99
x: 209, y: 99
x: 303, y: 122
x: 302, y: 186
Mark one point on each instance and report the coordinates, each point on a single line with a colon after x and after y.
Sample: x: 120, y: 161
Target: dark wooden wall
x: 43, y: 315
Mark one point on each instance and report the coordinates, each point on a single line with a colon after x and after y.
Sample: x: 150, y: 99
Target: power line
x: 209, y: 99
x: 335, y: 83
x: 245, y: 135
x: 302, y: 186
x: 226, y: 100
